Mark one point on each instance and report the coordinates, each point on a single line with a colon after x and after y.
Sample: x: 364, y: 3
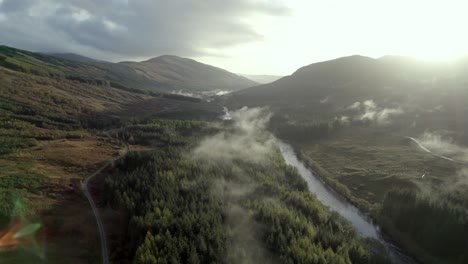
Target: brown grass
x: 371, y: 164
x: 84, y: 156
x: 69, y: 230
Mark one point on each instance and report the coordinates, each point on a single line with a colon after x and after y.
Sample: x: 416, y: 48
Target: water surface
x: 337, y: 203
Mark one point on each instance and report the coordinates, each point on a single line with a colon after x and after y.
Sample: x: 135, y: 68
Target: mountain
x: 189, y: 75
x: 74, y: 57
x: 51, y: 93
x: 262, y: 79
x: 432, y: 92
x: 163, y: 74
x: 314, y: 82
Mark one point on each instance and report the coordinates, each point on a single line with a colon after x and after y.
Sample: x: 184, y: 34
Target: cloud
x: 461, y: 179
x: 369, y: 111
x: 248, y: 139
x: 325, y: 100
x: 356, y: 105
x: 383, y: 116
x: 117, y: 29
x: 369, y: 104
x: 343, y: 120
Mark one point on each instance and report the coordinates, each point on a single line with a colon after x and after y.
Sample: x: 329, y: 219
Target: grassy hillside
x: 166, y: 74
x: 189, y: 75
x: 50, y: 139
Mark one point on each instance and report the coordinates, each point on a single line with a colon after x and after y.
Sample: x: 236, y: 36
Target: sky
x: 243, y: 36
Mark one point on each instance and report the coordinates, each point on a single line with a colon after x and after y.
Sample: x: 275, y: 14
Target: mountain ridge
x: 166, y: 74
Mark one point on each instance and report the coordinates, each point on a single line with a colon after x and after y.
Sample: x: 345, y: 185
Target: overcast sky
x: 243, y: 36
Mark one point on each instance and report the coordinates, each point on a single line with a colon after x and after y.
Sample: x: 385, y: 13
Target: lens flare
x: 21, y: 233
x: 27, y: 230
x: 7, y: 237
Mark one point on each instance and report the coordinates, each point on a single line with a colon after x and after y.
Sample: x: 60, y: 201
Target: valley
x: 341, y: 162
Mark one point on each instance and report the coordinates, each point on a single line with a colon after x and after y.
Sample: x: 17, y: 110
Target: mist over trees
x: 184, y: 209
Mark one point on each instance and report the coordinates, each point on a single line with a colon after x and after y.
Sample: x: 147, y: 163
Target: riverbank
x: 336, y: 202
x: 363, y: 169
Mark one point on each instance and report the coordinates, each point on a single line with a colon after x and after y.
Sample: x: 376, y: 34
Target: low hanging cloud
x: 444, y: 147
x: 344, y: 120
x: 461, y: 179
x: 248, y: 140
x: 369, y: 111
x: 124, y: 29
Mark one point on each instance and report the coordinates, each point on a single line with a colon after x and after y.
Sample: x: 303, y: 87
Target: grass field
x: 370, y: 163
x: 48, y: 177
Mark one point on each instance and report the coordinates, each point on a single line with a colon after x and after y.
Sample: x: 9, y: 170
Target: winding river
x: 337, y: 203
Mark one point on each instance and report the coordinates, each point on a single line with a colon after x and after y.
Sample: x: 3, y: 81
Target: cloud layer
x: 117, y: 29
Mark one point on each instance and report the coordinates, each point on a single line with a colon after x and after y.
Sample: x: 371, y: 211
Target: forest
x: 436, y: 223
x: 183, y: 209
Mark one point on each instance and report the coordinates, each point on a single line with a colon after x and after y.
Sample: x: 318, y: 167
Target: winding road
x: 435, y: 154
x: 102, y: 234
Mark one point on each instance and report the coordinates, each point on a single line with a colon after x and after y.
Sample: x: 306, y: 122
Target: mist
x: 246, y: 140
x: 444, y: 146
x: 369, y: 111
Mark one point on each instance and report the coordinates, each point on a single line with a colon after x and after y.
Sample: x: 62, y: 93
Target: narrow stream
x: 337, y: 203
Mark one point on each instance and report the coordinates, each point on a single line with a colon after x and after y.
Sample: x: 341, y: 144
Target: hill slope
x: 74, y: 57
x: 189, y: 75
x: 329, y: 89
x: 162, y: 74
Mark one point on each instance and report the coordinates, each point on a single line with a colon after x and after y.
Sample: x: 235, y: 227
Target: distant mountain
x: 74, y: 57
x: 433, y: 92
x: 262, y: 79
x: 161, y: 74
x: 187, y: 74
x: 314, y: 82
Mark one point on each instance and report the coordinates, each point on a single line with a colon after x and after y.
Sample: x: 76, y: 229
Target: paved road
x: 102, y: 234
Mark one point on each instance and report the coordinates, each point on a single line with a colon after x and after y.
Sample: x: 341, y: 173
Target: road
x: 102, y: 234
x: 435, y: 154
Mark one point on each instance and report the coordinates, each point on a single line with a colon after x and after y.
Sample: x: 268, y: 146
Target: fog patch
x: 325, y: 100
x: 202, y: 95
x: 180, y: 92
x: 344, y: 120
x: 247, y: 140
x: 369, y: 104
x: 461, y: 179
x: 444, y: 146
x: 221, y: 92
x: 356, y: 105
x: 369, y: 111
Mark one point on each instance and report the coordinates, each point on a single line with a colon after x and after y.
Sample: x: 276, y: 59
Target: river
x: 337, y: 203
